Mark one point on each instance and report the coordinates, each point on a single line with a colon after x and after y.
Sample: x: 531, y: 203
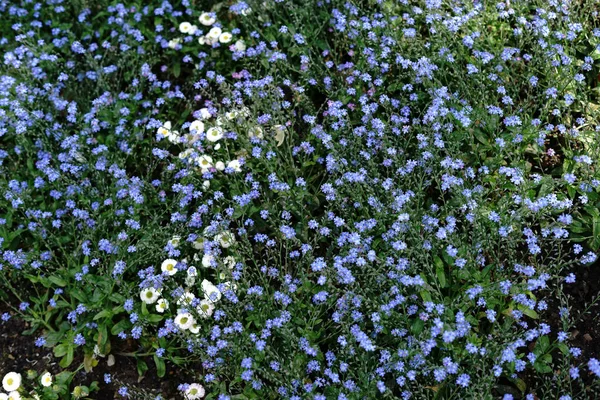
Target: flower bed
x: 316, y: 199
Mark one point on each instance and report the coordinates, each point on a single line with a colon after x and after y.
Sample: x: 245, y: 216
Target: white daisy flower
x: 173, y: 43
x: 229, y: 262
x: 235, y: 165
x: 168, y: 266
x: 207, y: 260
x: 225, y: 37
x: 214, y: 134
x: 162, y: 305
x: 175, y: 240
x: 205, y: 162
x: 205, y: 114
x: 195, y: 391
x: 211, y: 292
x: 256, y: 132
x: 214, y: 33
x: 149, y: 295
x: 165, y: 130
x: 206, y: 19
x: 46, y: 379
x: 226, y: 239
x: 184, y: 321
x: 220, y: 165
x: 11, y: 381
x: 195, y: 328
x: 185, y: 27
x: 186, y: 299
x: 197, y: 126
x: 205, y: 308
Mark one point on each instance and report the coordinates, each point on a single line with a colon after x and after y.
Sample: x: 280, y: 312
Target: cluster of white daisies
x: 210, y: 292
x: 203, y: 162
x: 197, y: 130
x: 11, y: 383
x: 214, y: 35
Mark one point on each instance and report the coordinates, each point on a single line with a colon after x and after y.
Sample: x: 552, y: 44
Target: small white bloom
x: 235, y: 165
x: 207, y: 260
x: 230, y: 286
x: 202, y: 39
x: 206, y: 20
x: 11, y: 381
x: 195, y: 328
x: 214, y: 134
x: 185, y: 154
x: 256, y: 132
x: 197, y: 126
x: 205, y: 308
x: 217, y: 146
x: 149, y: 295
x: 184, y: 321
x: 225, y: 37
x: 189, y: 281
x: 231, y: 115
x: 240, y: 45
x: 173, y: 43
x: 205, y: 186
x: 185, y: 27
x: 3, y: 396
x: 14, y: 396
x: 214, y: 33
x: 226, y: 239
x: 46, y: 379
x: 186, y: 299
x: 175, y: 240
x: 211, y: 292
x: 165, y: 130
x: 198, y: 244
x: 168, y: 266
x: 162, y: 305
x: 220, y: 165
x: 205, y: 162
x: 195, y: 391
x: 229, y: 262
x: 173, y: 137
x: 205, y: 114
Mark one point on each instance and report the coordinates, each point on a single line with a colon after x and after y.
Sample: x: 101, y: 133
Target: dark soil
x: 585, y: 334
x: 18, y: 353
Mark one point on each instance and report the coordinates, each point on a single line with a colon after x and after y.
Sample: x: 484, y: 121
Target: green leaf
x: 68, y: 358
x: 439, y: 271
x: 60, y: 350
x: 160, y: 366
x: 102, y: 314
x: 142, y: 367
x: 119, y: 327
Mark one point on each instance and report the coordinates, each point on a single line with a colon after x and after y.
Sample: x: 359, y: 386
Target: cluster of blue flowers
x: 305, y: 200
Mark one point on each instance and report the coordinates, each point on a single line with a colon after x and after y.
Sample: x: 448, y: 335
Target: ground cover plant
x: 299, y: 199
